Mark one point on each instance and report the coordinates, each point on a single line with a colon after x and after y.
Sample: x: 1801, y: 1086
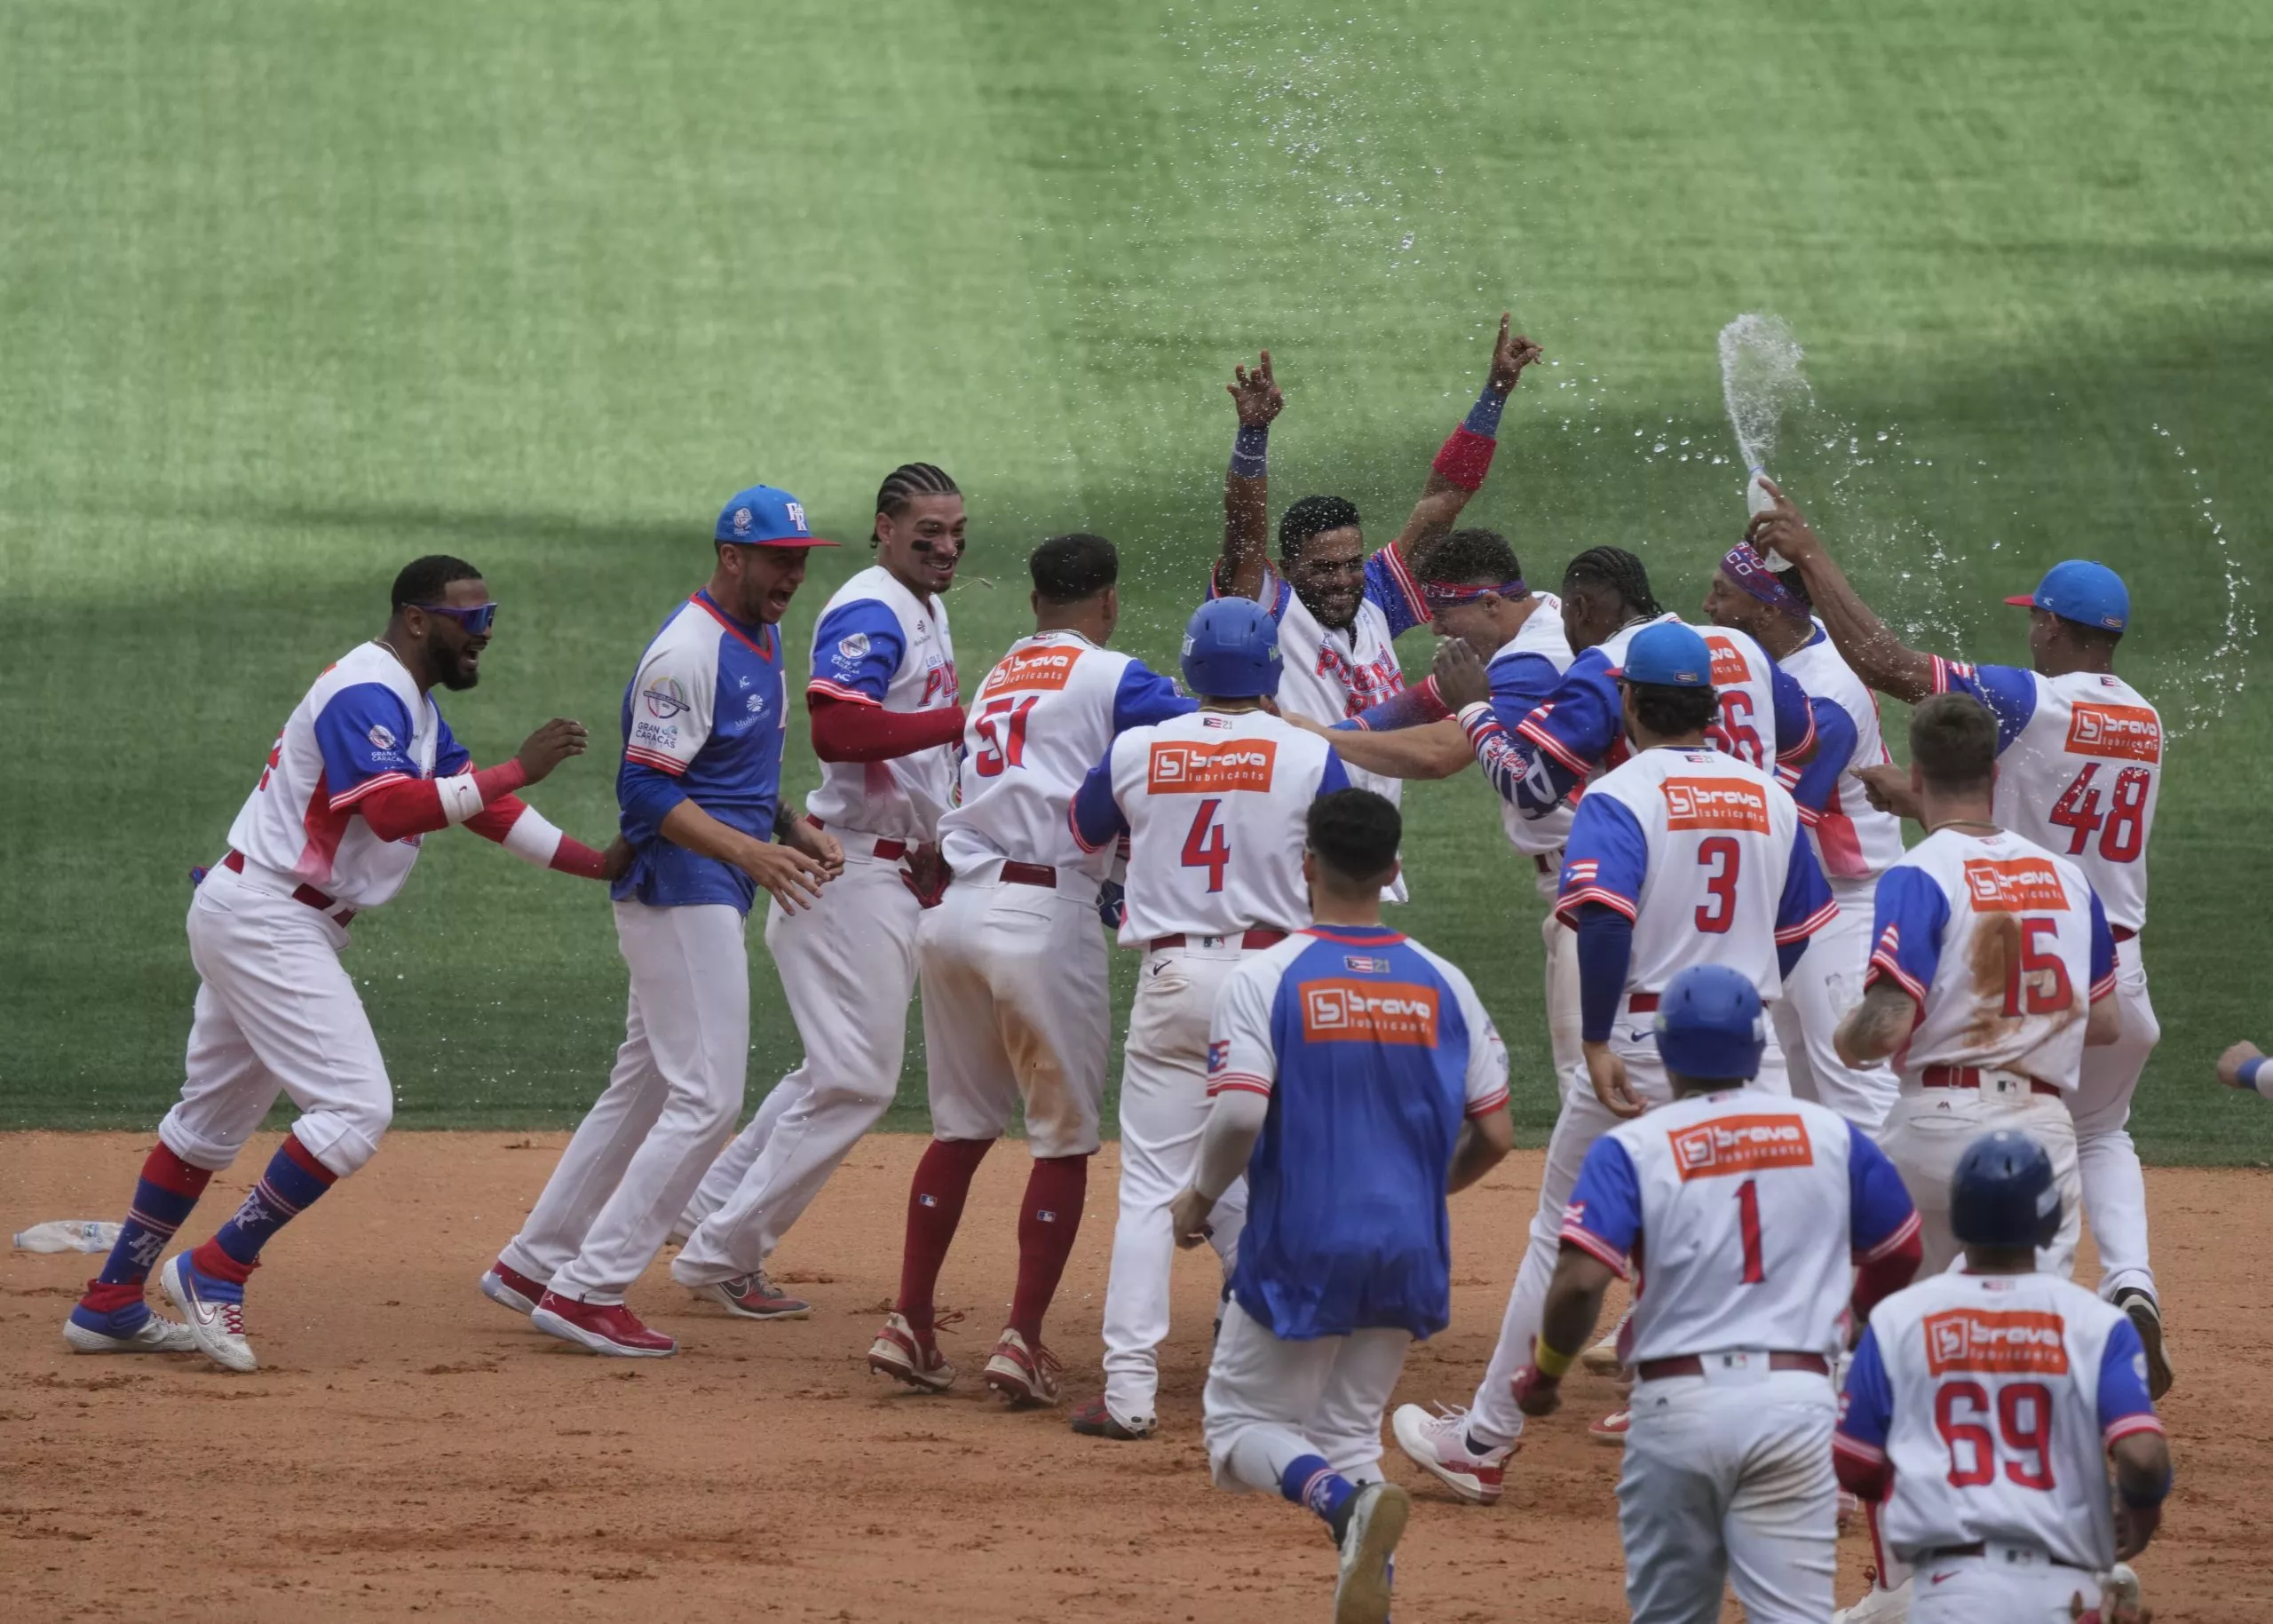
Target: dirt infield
x: 409, y: 1447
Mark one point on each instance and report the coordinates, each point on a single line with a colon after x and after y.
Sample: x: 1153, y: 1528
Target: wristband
x: 1250, y: 451
x: 1465, y: 458
x: 1548, y: 1362
x: 2251, y: 1072
x: 1484, y: 417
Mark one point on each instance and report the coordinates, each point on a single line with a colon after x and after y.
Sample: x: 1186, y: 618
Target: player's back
x: 1382, y: 1050
x: 1039, y: 722
x: 1854, y: 839
x: 1216, y: 803
x: 1744, y: 1198
x: 1996, y: 1384
x: 2082, y: 779
x: 1541, y: 641
x: 2012, y: 982
x: 876, y: 643
x: 361, y: 726
x: 1698, y: 857
x: 1743, y: 682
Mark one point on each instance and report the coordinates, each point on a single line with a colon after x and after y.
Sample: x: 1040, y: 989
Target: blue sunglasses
x: 474, y: 622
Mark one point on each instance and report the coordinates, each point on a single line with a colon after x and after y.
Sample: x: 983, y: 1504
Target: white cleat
x: 155, y: 1334
x: 1377, y: 1516
x: 1438, y: 1446
x: 1601, y: 1360
x: 1878, y: 1607
x: 217, y: 1328
x: 2121, y: 1588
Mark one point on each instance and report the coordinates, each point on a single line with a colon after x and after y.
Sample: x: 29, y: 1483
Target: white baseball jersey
x: 1038, y: 723
x: 2004, y: 947
x: 363, y: 726
x: 1744, y: 1213
x: 1519, y: 666
x: 877, y: 644
x: 1994, y: 1397
x: 2080, y: 767
x: 1853, y: 839
x: 1690, y: 845
x: 1214, y: 804
x: 1745, y: 678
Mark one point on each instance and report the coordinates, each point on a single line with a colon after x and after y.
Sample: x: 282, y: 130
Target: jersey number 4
x: 2125, y: 818
x: 2024, y: 1417
x: 1206, y: 846
x: 1002, y: 734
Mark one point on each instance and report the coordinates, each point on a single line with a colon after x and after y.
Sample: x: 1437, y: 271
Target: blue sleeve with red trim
x: 857, y: 649
x: 450, y: 757
x: 1335, y: 776
x: 1806, y: 906
x: 1813, y: 784
x: 1096, y: 813
x: 2008, y: 691
x: 644, y: 798
x: 1906, y: 924
x: 2123, y: 1377
x: 2103, y: 952
x: 1878, y: 1203
x: 1390, y: 584
x: 1867, y: 1406
x: 364, y: 733
x: 1577, y: 726
x: 1145, y: 696
x: 1276, y: 593
x: 1605, y: 859
x: 1795, y: 718
x: 1605, y: 953
x: 1606, y: 1202
x: 1520, y: 684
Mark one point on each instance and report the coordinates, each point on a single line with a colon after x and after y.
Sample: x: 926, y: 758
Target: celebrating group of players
x: 1796, y: 1061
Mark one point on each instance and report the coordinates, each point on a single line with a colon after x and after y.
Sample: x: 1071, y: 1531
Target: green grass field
x: 291, y: 294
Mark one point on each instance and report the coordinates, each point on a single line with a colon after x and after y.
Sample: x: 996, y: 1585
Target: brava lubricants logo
x: 2119, y: 732
x: 1400, y: 1013
x: 2018, y: 885
x: 1181, y: 767
x: 2010, y: 1342
x: 1715, y: 803
x: 1047, y: 668
x: 1729, y: 667
x: 1740, y: 1144
x: 664, y: 698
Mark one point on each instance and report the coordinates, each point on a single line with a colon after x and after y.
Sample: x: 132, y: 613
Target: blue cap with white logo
x: 764, y: 517
x: 1668, y: 655
x: 2080, y: 590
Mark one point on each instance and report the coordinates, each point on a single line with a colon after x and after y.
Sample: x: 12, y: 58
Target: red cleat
x: 604, y: 1327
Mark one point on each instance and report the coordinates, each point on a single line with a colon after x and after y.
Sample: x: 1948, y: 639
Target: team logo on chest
x: 1740, y: 1144
x: 2001, y: 1341
x: 1398, y: 1012
x: 1715, y: 803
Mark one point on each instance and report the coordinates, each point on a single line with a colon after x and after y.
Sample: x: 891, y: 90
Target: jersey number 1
x: 1206, y: 846
x: 1755, y: 1266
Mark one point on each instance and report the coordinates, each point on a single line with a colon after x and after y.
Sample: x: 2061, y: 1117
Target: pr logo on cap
x: 742, y: 521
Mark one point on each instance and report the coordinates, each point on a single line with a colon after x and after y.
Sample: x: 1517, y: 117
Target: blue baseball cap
x: 1668, y: 655
x: 2080, y: 590
x: 764, y: 517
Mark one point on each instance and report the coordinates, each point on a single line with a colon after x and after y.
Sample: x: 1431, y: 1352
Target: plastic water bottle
x: 69, y: 1235
x: 1756, y: 501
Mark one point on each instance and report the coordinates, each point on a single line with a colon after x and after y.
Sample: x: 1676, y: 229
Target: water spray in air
x: 1760, y: 380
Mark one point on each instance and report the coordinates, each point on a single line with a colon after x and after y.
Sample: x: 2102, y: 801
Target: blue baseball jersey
x: 704, y: 720
x: 1373, y: 1051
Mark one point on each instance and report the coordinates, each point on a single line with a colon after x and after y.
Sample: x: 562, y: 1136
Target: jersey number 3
x: 1725, y: 858
x: 1002, y: 729
x: 1206, y: 846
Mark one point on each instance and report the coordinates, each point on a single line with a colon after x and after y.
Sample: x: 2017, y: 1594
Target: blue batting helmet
x: 1230, y: 650
x: 2003, y: 1193
x: 1710, y: 1024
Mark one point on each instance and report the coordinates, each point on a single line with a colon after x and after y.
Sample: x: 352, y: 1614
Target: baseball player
x: 1017, y: 1003
x: 1854, y: 841
x: 699, y: 798
x: 1474, y: 590
x: 1357, y: 1080
x: 1753, y: 1222
x: 364, y: 768
x: 2079, y: 771
x: 1685, y: 854
x: 1992, y: 967
x: 1982, y: 1413
x: 1340, y: 613
x: 1212, y: 806
x: 2243, y: 1065
x: 887, y: 724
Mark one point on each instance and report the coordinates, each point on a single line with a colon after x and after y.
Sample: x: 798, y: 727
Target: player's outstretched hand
x: 1461, y: 678
x: 787, y: 874
x: 551, y: 745
x: 1782, y: 529
x: 1256, y: 394
x: 1536, y: 1394
x: 1889, y: 789
x: 1188, y: 1218
x: 2230, y: 1064
x: 1510, y: 356
x: 1612, y: 1086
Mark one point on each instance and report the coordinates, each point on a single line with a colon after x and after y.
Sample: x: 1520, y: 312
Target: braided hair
x: 1619, y: 570
x: 905, y: 483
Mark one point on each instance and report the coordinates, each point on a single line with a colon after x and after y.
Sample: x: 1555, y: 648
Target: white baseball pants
x: 276, y: 1013
x: 1562, y: 976
x: 1269, y: 1402
x: 1017, y: 1005
x: 848, y: 968
x: 2012, y: 1584
x: 677, y: 1086
x: 1825, y: 985
x: 1727, y: 1478
x: 2114, y: 1189
x: 1163, y: 1109
x: 728, y: 1166
x: 1493, y: 1418
x: 1927, y: 1132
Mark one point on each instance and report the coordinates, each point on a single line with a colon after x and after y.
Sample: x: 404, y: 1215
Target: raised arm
x: 1466, y: 458
x: 1878, y: 657
x: 1246, y: 483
